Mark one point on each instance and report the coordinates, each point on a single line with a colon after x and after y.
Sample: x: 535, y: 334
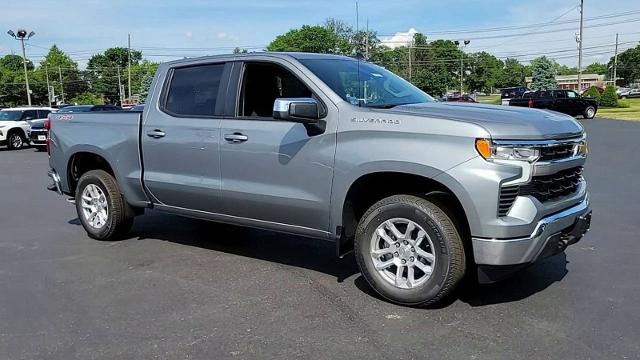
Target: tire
x: 589, y: 112
x: 15, y: 140
x: 443, y: 242
x: 623, y: 97
x: 119, y: 215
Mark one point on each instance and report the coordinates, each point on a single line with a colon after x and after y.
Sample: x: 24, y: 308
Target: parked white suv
x: 16, y: 122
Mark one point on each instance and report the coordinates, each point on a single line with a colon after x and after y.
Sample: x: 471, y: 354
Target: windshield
x: 69, y: 109
x: 10, y: 115
x: 372, y: 86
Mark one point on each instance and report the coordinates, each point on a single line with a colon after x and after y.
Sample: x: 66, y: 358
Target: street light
x: 465, y: 42
x: 22, y: 36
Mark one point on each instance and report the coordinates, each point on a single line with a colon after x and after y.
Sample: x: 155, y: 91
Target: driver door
x: 273, y: 171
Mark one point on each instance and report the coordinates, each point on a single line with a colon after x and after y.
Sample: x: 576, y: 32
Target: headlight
x: 581, y: 149
x: 490, y: 151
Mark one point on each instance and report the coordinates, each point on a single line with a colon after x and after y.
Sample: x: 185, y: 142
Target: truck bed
x: 112, y: 135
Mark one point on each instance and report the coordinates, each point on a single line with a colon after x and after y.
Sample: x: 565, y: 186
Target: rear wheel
x: 15, y: 141
x: 101, y: 208
x: 589, y: 112
x: 409, y: 250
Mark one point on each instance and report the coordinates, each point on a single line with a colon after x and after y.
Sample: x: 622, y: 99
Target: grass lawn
x: 490, y: 99
x: 630, y: 113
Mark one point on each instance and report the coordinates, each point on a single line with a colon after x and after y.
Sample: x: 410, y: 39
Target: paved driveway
x: 181, y: 288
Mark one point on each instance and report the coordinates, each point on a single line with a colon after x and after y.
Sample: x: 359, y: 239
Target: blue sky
x: 162, y: 29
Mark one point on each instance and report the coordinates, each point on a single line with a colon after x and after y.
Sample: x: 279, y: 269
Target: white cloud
x: 399, y: 39
x: 188, y: 34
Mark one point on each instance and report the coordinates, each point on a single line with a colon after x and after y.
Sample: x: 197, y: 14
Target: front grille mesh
x: 543, y: 188
x: 556, y: 152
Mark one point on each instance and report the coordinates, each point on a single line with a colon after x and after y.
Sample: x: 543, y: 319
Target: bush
x: 87, y: 99
x: 609, y: 97
x: 593, y: 92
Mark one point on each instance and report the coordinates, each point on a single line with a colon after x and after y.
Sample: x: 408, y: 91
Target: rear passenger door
x: 273, y: 172
x: 180, y: 137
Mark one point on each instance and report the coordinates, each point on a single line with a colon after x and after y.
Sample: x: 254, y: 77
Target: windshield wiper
x: 385, y: 106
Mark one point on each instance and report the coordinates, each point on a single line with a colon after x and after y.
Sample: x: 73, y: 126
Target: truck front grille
x: 544, y: 188
x: 557, y: 152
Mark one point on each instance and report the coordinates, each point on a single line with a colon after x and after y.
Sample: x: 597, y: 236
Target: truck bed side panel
x: 112, y: 135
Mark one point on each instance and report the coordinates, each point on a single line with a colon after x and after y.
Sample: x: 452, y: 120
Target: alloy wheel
x: 94, y: 206
x: 402, y: 253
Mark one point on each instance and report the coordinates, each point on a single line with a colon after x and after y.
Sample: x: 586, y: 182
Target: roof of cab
x: 293, y: 55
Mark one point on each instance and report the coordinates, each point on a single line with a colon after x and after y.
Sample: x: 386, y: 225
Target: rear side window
x: 561, y: 94
x: 193, y: 90
x: 43, y: 113
x: 30, y: 115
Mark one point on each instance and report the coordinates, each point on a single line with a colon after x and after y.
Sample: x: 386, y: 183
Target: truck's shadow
x: 320, y: 256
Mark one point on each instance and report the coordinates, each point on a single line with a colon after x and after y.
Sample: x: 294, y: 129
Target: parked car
x: 38, y: 135
x: 278, y: 141
x: 507, y: 94
x: 564, y: 101
x: 88, y: 108
x: 16, y: 122
x: 632, y: 93
x: 463, y: 98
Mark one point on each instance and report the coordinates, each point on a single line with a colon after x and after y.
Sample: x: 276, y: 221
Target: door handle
x: 236, y: 137
x: 156, y: 134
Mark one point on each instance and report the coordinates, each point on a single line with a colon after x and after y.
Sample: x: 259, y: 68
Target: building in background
x: 570, y: 82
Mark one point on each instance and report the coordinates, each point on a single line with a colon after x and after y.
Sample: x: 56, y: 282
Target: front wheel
x: 589, y: 112
x: 409, y: 250
x: 15, y: 141
x: 101, y: 208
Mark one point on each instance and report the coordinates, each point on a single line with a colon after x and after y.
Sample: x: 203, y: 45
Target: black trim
x: 220, y: 97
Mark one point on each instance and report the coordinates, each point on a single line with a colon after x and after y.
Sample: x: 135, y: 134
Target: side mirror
x: 302, y: 110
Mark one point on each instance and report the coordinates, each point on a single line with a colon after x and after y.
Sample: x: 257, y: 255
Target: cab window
x: 262, y: 84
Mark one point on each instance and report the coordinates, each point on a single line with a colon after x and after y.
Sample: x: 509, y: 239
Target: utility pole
x: 22, y: 36
x: 580, y: 47
x: 615, y: 64
x: 46, y: 72
x: 61, y: 84
x: 129, y: 61
x: 460, y: 46
x: 120, y: 87
x: 410, y: 45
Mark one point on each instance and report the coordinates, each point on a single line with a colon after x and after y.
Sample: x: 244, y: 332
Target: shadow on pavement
x: 318, y: 255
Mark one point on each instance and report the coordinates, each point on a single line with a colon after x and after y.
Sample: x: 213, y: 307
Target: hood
x: 502, y: 122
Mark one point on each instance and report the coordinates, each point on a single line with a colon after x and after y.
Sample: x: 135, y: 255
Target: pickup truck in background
x: 564, y: 101
x: 333, y: 148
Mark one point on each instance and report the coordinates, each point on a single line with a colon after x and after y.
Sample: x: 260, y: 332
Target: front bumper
x: 551, y: 235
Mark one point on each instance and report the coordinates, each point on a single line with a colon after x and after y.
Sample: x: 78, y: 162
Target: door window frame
x: 238, y: 79
x: 220, y: 97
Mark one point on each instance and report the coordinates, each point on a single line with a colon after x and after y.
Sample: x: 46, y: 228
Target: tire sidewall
x: 434, y: 284
x: 86, y: 180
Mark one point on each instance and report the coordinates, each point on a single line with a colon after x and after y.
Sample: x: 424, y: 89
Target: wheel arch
x: 370, y: 187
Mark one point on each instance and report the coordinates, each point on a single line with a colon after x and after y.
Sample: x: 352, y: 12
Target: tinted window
x: 43, y: 113
x: 263, y: 83
x: 193, y: 90
x: 365, y: 84
x: 30, y: 114
x: 10, y: 115
x: 69, y: 109
x: 561, y: 94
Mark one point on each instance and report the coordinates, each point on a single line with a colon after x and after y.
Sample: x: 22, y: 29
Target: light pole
x: 22, y: 36
x: 465, y: 42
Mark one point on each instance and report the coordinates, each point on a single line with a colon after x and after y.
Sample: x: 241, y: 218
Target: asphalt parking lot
x: 180, y: 288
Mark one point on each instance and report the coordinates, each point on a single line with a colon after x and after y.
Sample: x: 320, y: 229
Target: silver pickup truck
x: 336, y: 149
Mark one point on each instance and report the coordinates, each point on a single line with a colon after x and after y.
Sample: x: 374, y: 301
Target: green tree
x: 596, y: 68
x: 14, y: 63
x: 609, y: 97
x: 103, y: 71
x: 512, y: 74
x: 314, y: 39
x: 628, y: 65
x: 87, y: 99
x: 238, y: 50
x: 544, y: 74
x: 57, y: 63
x: 145, y: 85
x: 484, y: 72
